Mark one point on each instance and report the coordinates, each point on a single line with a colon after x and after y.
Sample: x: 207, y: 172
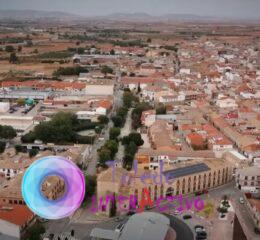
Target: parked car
x: 201, y: 238
x: 119, y: 227
x: 202, y: 234
x: 176, y: 212
x: 185, y: 217
x: 130, y: 213
x: 43, y: 220
x: 241, y: 200
x: 199, y: 228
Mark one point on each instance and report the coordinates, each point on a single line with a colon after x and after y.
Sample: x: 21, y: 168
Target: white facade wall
x: 9, y: 172
x: 9, y: 229
x: 4, y: 107
x: 217, y: 147
x: 84, y: 115
x: 227, y: 103
x: 94, y: 90
x: 149, y: 120
x: 101, y: 111
x: 184, y: 71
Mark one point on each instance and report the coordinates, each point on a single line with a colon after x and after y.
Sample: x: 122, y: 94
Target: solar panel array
x: 184, y: 171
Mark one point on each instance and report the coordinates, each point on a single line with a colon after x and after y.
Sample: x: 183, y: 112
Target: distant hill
x: 132, y: 17
x: 144, y: 17
x: 36, y: 15
x: 149, y: 18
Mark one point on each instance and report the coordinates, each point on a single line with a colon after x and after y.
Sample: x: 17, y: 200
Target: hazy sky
x: 225, y: 8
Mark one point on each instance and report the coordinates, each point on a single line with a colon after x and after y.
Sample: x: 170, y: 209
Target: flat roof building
x: 143, y: 226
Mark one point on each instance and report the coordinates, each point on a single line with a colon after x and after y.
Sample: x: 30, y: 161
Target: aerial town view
x: 129, y: 120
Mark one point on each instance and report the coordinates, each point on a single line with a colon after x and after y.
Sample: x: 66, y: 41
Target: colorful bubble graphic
x: 53, y: 166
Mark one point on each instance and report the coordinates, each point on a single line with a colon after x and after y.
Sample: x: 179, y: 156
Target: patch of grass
x: 208, y: 210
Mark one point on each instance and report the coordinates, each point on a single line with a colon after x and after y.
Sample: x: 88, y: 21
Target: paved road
x: 124, y: 132
x: 213, y: 226
x: 181, y: 228
x: 91, y: 160
x: 82, y: 230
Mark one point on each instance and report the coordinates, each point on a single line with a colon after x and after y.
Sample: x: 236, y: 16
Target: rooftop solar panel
x: 184, y: 171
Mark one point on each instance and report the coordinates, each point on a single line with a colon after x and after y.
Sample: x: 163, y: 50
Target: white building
x: 185, y: 71
x: 14, y: 221
x: 20, y: 123
x: 4, y: 107
x: 85, y: 115
x: 227, y: 103
x: 248, y: 179
x: 99, y: 90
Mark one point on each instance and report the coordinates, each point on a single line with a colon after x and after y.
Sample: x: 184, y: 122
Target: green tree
x: 114, y: 133
x: 90, y: 186
x: 81, y: 50
x: 104, y: 155
x: 112, y: 52
x: 160, y: 109
x: 18, y: 148
x: 13, y: 58
x: 98, y: 130
x: 68, y: 71
x: 33, y: 152
x: 58, y: 130
x: 103, y: 119
x: 128, y: 161
x: 34, y: 232
x: 62, y: 129
x: 106, y: 70
x: 118, y: 121
x: 128, y: 99
x: 2, y: 146
x: 131, y: 149
x: 9, y: 48
x: 7, y: 132
x: 112, y: 146
x: 30, y: 137
x: 137, y: 113
x: 122, y: 112
x: 133, y: 137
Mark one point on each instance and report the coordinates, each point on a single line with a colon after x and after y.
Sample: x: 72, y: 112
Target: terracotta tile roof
x: 45, y: 84
x: 18, y: 215
x: 105, y: 104
x: 196, y: 139
x: 252, y: 147
x: 136, y: 80
x: 255, y: 203
x: 231, y: 115
x: 189, y: 127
